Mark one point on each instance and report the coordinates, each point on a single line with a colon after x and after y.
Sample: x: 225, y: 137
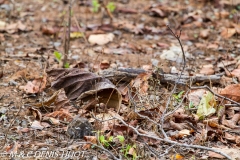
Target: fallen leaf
x: 206, y: 105
x: 215, y: 155
x: 83, y: 87
x: 101, y: 39
x: 195, y: 96
x: 105, y: 64
x: 35, y: 86
x: 204, y: 33
x: 63, y: 115
x: 36, y: 125
x: 91, y: 139
x: 76, y: 35
x: 207, y: 70
x: 232, y: 91
x: 228, y: 32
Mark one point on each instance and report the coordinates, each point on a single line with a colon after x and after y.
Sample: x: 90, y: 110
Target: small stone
x: 79, y: 127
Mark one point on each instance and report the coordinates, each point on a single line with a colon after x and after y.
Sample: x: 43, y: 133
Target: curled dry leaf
x: 63, y: 115
x: 228, y: 32
x: 104, y: 64
x: 232, y: 91
x: 195, y: 96
x: 49, y: 101
x: 36, y: 113
x: 140, y: 83
x: 83, y: 87
x: 37, y: 85
x: 230, y: 137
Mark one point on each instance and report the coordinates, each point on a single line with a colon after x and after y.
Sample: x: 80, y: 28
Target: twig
x: 84, y: 37
x: 173, y: 142
x: 176, y: 82
x: 206, y: 87
x: 110, y: 153
x: 67, y: 39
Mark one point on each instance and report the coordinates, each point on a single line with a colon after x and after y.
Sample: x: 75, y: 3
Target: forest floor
x: 49, y: 89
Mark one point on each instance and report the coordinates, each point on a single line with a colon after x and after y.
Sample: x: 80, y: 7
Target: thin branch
x: 67, y: 38
x: 220, y: 96
x: 173, y: 142
x: 102, y: 148
x: 176, y: 82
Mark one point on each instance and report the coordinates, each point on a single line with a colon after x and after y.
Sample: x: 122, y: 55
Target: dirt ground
x: 31, y: 31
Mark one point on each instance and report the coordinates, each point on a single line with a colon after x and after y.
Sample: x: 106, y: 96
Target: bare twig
x: 220, y: 96
x: 102, y: 148
x: 173, y: 142
x: 67, y: 38
x: 176, y: 82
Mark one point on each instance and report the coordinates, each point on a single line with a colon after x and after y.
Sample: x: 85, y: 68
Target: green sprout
x: 58, y: 55
x: 178, y: 96
x: 105, y: 142
x: 66, y: 65
x: 95, y: 6
x: 111, y: 6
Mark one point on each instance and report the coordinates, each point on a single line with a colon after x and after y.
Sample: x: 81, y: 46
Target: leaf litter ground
x: 133, y: 48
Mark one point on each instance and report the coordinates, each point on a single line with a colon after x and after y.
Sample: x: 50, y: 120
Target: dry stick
x: 84, y: 37
x: 176, y: 82
x: 104, y: 149
x: 67, y: 38
x: 173, y: 142
x: 168, y: 102
x: 220, y: 96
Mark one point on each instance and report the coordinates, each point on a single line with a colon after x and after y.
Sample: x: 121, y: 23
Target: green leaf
x: 58, y: 55
x: 121, y: 138
x: 95, y: 5
x: 111, y: 6
x: 102, y: 139
x: 206, y: 105
x: 110, y: 139
x: 180, y: 94
x: 66, y: 65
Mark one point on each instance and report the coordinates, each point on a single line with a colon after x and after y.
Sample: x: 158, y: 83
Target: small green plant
x: 111, y: 6
x: 105, y: 142
x: 58, y: 55
x: 178, y: 96
x: 66, y: 65
x: 125, y: 151
x: 95, y: 6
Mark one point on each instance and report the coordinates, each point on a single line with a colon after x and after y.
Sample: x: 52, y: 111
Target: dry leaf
x: 232, y: 91
x: 35, y: 86
x: 228, y: 32
x: 215, y: 155
x: 36, y: 125
x: 101, y: 39
x: 63, y: 115
x: 204, y: 33
x: 83, y: 87
x: 207, y: 70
